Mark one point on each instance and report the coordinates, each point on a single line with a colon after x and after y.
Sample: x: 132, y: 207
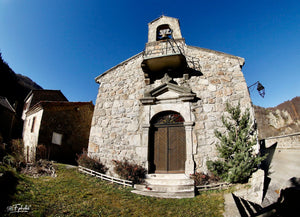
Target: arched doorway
x: 167, y: 143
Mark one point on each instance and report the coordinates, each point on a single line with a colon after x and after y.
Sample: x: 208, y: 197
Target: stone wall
x: 290, y: 141
x: 222, y: 81
x: 116, y: 128
x: 117, y: 124
x: 281, y: 165
x: 73, y: 123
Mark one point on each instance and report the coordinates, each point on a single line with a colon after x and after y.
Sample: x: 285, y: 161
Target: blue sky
x: 65, y: 44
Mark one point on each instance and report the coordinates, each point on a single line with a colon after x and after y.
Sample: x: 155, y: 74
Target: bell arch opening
x: 163, y: 32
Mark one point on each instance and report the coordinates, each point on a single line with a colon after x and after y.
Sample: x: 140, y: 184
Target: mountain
x: 15, y: 87
x: 280, y: 120
x: 28, y: 83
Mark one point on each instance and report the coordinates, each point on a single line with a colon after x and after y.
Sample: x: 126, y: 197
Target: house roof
x: 63, y: 105
x: 4, y: 103
x: 45, y: 95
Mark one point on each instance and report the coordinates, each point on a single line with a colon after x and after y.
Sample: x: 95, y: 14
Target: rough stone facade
x: 127, y: 101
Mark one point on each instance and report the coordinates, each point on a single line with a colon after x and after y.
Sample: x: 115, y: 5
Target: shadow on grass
x: 8, y: 184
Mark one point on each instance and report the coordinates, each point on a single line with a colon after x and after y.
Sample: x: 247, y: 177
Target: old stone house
x: 160, y: 108
x: 61, y: 126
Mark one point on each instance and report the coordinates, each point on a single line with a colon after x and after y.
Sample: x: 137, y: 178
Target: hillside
x: 15, y: 87
x: 280, y: 120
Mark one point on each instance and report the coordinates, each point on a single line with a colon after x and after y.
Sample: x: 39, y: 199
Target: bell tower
x: 164, y: 51
x: 164, y: 25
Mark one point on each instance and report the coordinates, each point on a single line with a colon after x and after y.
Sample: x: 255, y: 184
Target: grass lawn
x: 75, y: 194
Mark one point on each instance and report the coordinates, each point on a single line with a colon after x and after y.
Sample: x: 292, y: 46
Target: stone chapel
x: 159, y: 108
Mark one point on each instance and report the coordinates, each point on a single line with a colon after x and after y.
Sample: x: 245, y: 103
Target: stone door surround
x: 169, y: 97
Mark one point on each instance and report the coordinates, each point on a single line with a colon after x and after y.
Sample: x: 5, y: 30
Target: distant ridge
x: 28, y: 83
x: 280, y: 120
x: 15, y: 87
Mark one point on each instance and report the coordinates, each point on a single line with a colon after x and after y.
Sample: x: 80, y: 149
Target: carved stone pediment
x: 168, y: 92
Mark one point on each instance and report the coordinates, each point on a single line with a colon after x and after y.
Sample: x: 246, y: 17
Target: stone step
x: 158, y: 181
x: 167, y: 176
x: 178, y: 195
x: 166, y: 188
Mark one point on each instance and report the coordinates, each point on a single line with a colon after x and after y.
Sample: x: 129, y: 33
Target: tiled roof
x: 4, y: 102
x: 45, y: 95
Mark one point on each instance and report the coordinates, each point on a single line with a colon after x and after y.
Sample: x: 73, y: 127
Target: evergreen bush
x: 238, y: 160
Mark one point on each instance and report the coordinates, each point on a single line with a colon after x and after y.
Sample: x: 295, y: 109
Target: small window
x: 32, y: 126
x: 56, y: 138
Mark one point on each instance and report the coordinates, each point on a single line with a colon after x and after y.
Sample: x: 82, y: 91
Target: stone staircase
x: 166, y: 186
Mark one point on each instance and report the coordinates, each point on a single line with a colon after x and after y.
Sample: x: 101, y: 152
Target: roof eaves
x: 160, y: 18
x: 7, y: 105
x: 37, y: 107
x: 28, y: 95
x: 240, y: 59
x: 63, y: 103
x: 104, y: 73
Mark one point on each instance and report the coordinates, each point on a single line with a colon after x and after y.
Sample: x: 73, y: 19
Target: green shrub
x: 17, y: 149
x: 128, y: 171
x: 85, y: 161
x: 9, y: 160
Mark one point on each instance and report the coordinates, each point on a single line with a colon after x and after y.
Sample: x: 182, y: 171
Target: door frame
x: 184, y: 109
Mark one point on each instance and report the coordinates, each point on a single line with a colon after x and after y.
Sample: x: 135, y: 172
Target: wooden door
x: 167, y: 148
